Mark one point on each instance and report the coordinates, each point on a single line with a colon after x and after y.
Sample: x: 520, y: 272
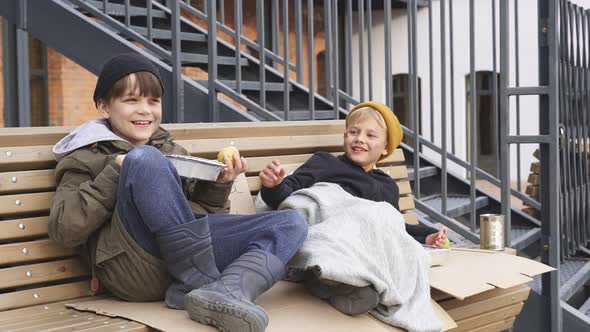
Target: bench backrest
x: 35, y: 270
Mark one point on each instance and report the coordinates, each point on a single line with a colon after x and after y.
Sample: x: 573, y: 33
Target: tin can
x: 491, y: 234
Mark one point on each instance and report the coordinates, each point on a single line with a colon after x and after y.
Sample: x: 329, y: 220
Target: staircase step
x: 585, y: 308
x: 189, y: 59
x: 425, y: 172
x: 297, y: 114
x: 250, y: 85
x: 167, y: 34
x: 115, y: 9
x: 457, y: 205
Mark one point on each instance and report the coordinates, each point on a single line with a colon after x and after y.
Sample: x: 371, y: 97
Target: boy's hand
x: 438, y: 239
x: 119, y: 159
x: 232, y: 169
x: 272, y: 175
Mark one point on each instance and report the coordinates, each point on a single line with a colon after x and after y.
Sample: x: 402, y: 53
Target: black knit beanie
x: 119, y: 67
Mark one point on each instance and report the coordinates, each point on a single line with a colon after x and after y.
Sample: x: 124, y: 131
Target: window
x: 401, y: 101
x: 487, y: 138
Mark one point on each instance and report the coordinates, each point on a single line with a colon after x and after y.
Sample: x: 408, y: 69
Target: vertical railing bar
x: 311, y: 58
x: 222, y: 11
x: 238, y: 41
x: 177, y: 83
x: 452, y: 74
x: 578, y: 138
x: 586, y: 88
x: 430, y: 70
x: 104, y: 6
x: 212, y: 67
x: 286, y: 59
x: 517, y: 83
x: 150, y: 21
x: 562, y: 106
x: 361, y: 49
x: 569, y: 133
x: 495, y: 90
x: 23, y: 70
x: 328, y: 43
x: 505, y: 119
x: 414, y: 100
x: 127, y: 16
x: 562, y: 101
x: 443, y: 107
x: 298, y: 42
x: 573, y: 117
x: 473, y: 140
x: 336, y: 91
x: 275, y: 29
x: 548, y: 60
x: 370, y: 47
x: 580, y: 129
x: 388, y: 78
x: 260, y: 36
x: 348, y: 46
x: 415, y: 110
x: 566, y: 104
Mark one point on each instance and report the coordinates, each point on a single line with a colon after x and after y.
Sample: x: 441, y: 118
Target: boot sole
x: 226, y: 317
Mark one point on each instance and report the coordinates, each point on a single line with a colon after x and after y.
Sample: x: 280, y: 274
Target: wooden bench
x: 34, y: 271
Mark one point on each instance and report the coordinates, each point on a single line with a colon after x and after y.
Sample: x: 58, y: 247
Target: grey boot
x: 228, y: 303
x: 188, y: 254
x: 350, y: 300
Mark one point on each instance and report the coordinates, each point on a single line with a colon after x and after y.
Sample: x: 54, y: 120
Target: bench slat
x: 180, y: 131
x: 32, y: 251
x: 43, y: 272
x: 65, y: 318
x: 44, y: 295
x: 256, y: 164
x: 23, y: 228
x: 404, y: 188
x: 26, y: 157
x: 497, y: 326
x: 11, y: 182
x: 40, y: 309
x: 25, y: 203
x: 126, y: 327
x: 484, y: 302
x: 261, y: 146
x: 493, y: 316
x: 41, y: 156
x: 396, y: 172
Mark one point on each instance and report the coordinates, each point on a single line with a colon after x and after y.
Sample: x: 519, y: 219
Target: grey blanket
x: 361, y: 242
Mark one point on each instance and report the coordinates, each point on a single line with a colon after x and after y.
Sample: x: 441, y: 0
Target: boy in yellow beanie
x: 372, y: 134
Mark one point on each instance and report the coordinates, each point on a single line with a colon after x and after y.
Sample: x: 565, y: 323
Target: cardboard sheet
x: 289, y: 306
x: 482, y: 270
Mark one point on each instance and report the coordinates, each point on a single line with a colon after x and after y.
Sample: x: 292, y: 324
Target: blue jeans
x: 150, y: 199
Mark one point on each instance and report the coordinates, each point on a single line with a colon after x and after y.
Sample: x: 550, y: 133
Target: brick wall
x: 70, y: 91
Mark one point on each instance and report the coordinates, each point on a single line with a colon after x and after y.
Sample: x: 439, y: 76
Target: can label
x: 492, y: 232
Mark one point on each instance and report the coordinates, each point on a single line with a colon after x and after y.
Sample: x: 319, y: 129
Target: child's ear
x: 384, y: 150
x: 102, y: 108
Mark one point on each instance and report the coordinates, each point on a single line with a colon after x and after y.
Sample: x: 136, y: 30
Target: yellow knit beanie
x: 394, y: 129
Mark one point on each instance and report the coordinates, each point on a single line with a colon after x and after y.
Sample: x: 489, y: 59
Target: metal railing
x: 574, y: 122
x: 339, y: 22
x: 338, y: 25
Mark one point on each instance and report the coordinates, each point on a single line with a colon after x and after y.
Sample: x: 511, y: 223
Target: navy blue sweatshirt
x: 373, y: 185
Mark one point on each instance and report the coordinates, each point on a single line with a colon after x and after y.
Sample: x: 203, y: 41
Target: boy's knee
x: 144, y: 156
x: 295, y: 224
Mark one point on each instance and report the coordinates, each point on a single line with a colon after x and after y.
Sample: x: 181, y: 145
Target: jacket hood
x: 93, y: 131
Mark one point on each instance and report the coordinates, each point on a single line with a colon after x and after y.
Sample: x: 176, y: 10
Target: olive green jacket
x: 83, y: 212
